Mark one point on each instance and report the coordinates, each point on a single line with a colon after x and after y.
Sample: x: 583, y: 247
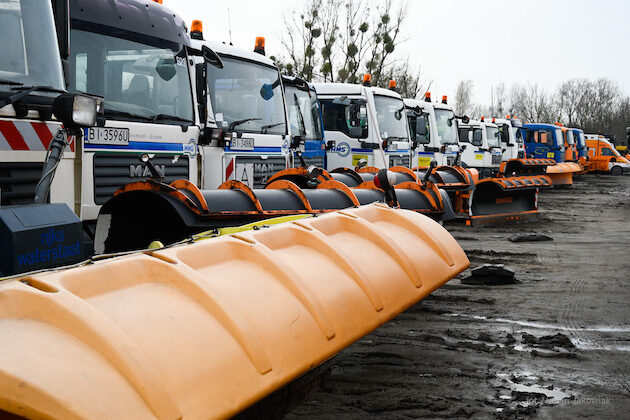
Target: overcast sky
x: 487, y: 41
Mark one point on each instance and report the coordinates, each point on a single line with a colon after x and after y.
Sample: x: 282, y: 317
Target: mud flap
x: 206, y: 329
x: 499, y: 200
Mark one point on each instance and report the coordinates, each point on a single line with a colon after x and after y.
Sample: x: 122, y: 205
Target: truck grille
x: 262, y: 168
x: 113, y: 170
x: 18, y: 181
x: 496, y: 159
x: 314, y: 161
x: 399, y: 161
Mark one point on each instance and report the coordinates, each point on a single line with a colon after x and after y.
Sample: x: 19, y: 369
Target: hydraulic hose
x: 53, y: 156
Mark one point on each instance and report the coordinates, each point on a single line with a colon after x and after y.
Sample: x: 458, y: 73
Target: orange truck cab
x: 603, y: 157
x: 570, y: 145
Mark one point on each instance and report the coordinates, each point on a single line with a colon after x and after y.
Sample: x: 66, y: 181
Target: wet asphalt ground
x: 554, y: 345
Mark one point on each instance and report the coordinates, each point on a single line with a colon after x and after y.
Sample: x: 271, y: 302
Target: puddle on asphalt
x: 525, y: 389
x: 542, y: 324
x: 579, y: 343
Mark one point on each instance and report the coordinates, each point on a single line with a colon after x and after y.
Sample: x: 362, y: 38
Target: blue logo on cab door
x: 342, y: 149
x: 190, y: 149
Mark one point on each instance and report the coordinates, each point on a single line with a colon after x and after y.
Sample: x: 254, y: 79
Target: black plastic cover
x: 39, y: 236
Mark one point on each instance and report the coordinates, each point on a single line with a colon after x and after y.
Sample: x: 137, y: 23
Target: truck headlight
x: 76, y: 110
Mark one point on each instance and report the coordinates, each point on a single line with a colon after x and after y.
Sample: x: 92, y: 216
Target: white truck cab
x: 306, y: 129
x: 138, y: 63
x: 245, y: 134
x: 482, y: 151
x: 364, y: 123
x: 438, y: 140
x: 512, y: 144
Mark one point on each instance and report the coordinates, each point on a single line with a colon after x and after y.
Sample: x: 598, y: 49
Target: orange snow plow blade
x: 499, y: 200
x: 531, y: 166
x: 206, y: 329
x: 561, y: 174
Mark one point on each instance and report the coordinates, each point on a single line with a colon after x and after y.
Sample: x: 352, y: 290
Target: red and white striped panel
x: 229, y: 169
x: 28, y: 135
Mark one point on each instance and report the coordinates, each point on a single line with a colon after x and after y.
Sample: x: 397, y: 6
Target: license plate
x: 107, y: 135
x: 242, y: 144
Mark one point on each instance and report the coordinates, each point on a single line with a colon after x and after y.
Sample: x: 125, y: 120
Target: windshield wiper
x: 29, y: 89
x: 10, y: 82
x: 162, y: 117
x: 116, y: 113
x: 394, y: 138
x: 239, y: 122
x: 263, y: 129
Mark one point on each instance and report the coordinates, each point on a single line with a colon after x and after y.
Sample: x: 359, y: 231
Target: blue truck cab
x: 544, y: 141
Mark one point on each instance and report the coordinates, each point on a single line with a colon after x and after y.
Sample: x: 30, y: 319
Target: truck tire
x: 616, y: 170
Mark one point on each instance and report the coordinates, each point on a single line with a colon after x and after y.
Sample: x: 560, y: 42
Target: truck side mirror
x: 421, y: 126
x: 477, y: 138
x: 355, y: 132
x: 421, y: 130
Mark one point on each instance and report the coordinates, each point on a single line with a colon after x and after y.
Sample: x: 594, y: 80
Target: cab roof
x: 478, y: 123
x: 424, y: 104
x: 230, y: 50
x: 352, y: 89
x: 535, y: 126
x: 144, y: 17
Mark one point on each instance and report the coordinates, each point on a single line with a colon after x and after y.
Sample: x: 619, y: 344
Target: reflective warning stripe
x: 28, y: 135
x: 43, y: 133
x: 12, y: 136
x: 229, y: 170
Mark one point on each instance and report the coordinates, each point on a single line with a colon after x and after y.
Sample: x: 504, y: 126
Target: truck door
x: 346, y: 123
x: 541, y: 144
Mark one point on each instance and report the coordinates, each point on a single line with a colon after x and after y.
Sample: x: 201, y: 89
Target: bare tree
x: 463, y: 97
x: 354, y: 40
x: 385, y: 39
x: 299, y: 40
x: 498, y: 100
x: 410, y: 83
x: 329, y: 18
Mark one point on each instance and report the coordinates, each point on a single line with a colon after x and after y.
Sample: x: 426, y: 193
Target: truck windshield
x: 247, y: 97
x: 301, y: 102
x: 446, y: 128
x: 391, y: 117
x: 30, y: 55
x: 139, y: 79
x: 570, y: 139
x: 494, y: 136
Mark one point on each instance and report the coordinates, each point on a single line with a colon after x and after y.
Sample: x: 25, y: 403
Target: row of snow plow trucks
x: 204, y: 326
x: 478, y: 192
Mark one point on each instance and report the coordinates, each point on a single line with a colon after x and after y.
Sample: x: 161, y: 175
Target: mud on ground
x: 555, y: 345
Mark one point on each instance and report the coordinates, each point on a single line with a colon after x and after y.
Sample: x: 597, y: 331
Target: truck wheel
x: 616, y: 170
